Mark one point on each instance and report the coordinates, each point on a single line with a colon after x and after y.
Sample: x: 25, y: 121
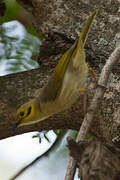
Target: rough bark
x: 95, y: 160
x: 60, y: 22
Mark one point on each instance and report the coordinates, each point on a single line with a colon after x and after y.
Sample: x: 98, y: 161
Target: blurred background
x: 19, y: 45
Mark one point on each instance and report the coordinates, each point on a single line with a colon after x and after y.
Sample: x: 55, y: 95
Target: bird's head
x: 29, y: 113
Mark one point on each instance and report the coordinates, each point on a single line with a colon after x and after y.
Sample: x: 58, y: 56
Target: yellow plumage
x: 64, y: 86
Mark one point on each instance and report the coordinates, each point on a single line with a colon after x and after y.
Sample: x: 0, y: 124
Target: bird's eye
x: 22, y: 113
x: 29, y: 110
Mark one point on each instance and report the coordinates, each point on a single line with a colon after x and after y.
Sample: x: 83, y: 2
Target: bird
x: 64, y: 87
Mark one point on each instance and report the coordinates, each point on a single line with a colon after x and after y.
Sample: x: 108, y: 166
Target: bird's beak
x: 16, y: 125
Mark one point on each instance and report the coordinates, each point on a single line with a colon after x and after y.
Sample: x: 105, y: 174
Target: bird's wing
x: 51, y: 89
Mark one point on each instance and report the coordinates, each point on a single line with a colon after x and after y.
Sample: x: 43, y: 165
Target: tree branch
x: 93, y: 108
x: 95, y: 160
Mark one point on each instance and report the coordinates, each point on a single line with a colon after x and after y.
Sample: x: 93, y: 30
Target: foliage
x: 13, y: 12
x: 43, y: 134
x: 17, y: 47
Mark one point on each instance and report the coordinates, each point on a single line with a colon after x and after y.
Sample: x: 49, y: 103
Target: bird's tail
x: 79, y: 44
x: 86, y: 28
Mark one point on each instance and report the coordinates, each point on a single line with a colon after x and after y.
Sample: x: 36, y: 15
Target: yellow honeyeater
x: 63, y: 87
